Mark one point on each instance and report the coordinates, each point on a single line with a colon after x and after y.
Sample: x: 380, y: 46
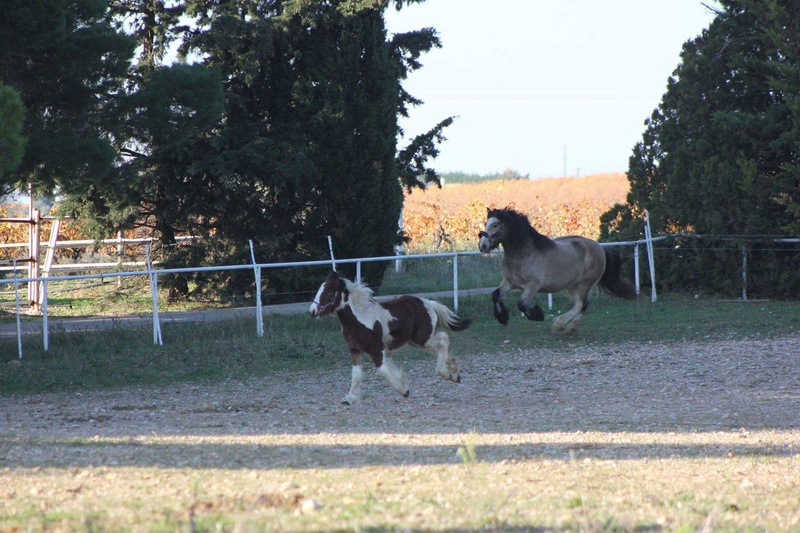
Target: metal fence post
x: 16, y: 298
x: 157, y: 339
x: 744, y: 272
x: 330, y: 247
x: 455, y: 281
x: 45, y: 328
x: 636, y: 266
x: 259, y: 316
x: 649, y: 243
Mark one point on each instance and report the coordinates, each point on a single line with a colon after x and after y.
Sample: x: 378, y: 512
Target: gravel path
x: 516, y: 405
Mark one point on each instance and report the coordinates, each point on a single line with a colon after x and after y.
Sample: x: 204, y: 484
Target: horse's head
x: 492, y: 235
x: 330, y: 296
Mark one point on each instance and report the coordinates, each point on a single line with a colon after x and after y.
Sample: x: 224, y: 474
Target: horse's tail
x: 447, y: 318
x: 612, y: 280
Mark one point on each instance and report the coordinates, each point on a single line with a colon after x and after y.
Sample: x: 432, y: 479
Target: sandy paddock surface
x: 656, y: 436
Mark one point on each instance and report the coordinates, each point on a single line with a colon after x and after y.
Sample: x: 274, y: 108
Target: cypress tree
x: 308, y: 144
x: 283, y: 130
x: 719, y: 157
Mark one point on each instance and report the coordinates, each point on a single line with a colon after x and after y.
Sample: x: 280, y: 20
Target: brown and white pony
x: 537, y: 264
x: 376, y: 328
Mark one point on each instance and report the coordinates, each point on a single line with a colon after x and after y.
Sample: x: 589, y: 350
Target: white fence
x: 35, y: 268
x: 153, y: 275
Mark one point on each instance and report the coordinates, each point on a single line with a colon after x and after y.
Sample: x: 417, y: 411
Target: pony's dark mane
x: 519, y: 227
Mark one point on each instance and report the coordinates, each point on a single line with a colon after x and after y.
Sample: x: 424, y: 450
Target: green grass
x: 219, y: 350
x: 99, y: 297
x: 431, y: 275
x: 128, y: 295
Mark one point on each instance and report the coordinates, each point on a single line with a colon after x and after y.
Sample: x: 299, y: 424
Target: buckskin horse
x: 537, y: 264
x: 376, y: 328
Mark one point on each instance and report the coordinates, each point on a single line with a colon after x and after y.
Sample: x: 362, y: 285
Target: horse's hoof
x: 406, y: 394
x: 458, y: 379
x: 502, y: 318
x: 500, y: 313
x: 536, y: 314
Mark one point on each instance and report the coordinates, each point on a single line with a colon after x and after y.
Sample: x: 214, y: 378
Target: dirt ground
x: 681, y: 402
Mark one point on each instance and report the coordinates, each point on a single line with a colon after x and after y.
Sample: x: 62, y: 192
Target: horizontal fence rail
x: 257, y: 268
x: 7, y: 264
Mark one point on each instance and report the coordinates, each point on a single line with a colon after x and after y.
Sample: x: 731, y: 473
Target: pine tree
x: 67, y: 63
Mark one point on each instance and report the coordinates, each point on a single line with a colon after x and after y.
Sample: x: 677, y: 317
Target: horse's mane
x: 360, y: 294
x: 519, y: 227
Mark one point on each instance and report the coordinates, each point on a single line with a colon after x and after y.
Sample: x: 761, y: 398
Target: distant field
x: 449, y: 218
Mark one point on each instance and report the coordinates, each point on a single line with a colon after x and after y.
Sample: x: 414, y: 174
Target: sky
x: 546, y: 88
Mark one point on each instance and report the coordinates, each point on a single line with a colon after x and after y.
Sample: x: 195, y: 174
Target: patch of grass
x: 613, y: 321
x: 528, y: 496
x: 436, y: 274
x: 467, y: 452
x: 217, y: 350
x: 191, y: 352
x: 102, y: 297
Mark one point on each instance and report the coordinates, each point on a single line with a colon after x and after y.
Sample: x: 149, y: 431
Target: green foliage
x: 67, y: 63
x: 463, y: 177
x: 467, y: 453
x: 720, y: 156
x: 12, y: 143
x: 307, y: 147
x: 283, y: 131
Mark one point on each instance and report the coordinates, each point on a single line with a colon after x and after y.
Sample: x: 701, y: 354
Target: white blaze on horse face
x: 317, y: 306
x: 314, y: 309
x: 486, y: 245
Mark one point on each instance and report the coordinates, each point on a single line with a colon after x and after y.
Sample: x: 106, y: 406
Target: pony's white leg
x: 394, y: 375
x: 446, y: 366
x: 355, y: 386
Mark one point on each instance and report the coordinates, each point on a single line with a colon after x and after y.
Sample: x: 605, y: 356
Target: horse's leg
x: 393, y: 374
x: 446, y: 366
x: 355, y: 383
x: 524, y: 302
x: 570, y: 322
x: 500, y: 311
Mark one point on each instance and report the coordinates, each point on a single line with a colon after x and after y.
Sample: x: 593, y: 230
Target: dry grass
x: 573, y: 491
x: 449, y: 218
x: 626, y: 437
